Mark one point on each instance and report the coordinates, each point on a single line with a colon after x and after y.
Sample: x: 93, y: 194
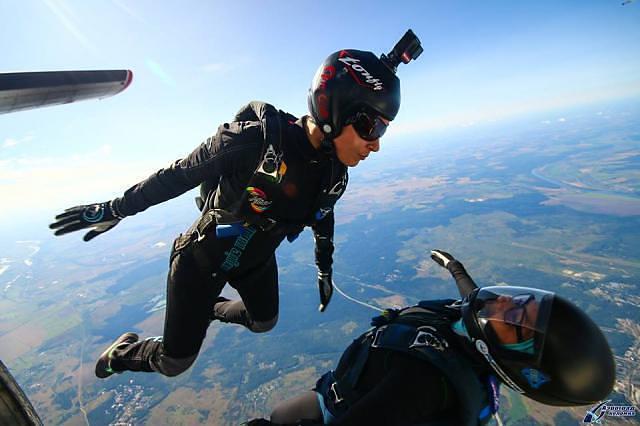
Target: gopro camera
x: 404, y: 51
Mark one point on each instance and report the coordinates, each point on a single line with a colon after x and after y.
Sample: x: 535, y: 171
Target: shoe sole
x: 102, y: 365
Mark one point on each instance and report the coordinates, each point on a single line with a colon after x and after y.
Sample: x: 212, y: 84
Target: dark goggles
x: 368, y: 127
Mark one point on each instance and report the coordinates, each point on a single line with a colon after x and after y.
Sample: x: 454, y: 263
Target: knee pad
x: 263, y: 326
x: 171, y: 367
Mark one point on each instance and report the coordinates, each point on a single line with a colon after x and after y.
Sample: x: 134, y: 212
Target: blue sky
x: 196, y: 62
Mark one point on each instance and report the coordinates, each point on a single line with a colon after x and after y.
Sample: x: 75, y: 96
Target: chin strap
x: 327, y: 146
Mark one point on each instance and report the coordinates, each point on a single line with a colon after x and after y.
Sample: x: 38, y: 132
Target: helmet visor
x: 369, y: 127
x: 512, y: 315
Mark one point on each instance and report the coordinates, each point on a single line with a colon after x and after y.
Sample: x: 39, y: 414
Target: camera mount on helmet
x: 404, y: 51
x: 352, y: 81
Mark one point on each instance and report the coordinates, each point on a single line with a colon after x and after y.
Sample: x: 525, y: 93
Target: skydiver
x: 263, y: 177
x: 442, y: 361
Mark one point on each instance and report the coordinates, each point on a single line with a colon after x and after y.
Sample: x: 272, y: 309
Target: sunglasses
x: 368, y: 127
x: 518, y: 313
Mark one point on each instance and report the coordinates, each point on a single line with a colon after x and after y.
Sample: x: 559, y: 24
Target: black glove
x: 100, y: 217
x: 442, y: 258
x: 325, y: 285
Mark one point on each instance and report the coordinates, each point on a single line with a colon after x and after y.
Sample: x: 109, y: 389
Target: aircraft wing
x: 15, y: 408
x: 27, y: 90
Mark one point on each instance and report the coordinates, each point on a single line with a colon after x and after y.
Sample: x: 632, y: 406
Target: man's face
x: 508, y: 317
x: 351, y: 148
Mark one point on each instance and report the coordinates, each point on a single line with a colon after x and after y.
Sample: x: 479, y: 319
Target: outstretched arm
x: 235, y: 146
x: 216, y: 156
x: 464, y: 282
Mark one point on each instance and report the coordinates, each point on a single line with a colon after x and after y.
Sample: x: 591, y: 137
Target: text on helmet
x: 353, y: 64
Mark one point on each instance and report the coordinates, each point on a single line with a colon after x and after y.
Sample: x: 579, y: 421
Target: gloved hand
x: 325, y: 285
x: 100, y: 217
x: 442, y: 258
x: 386, y: 317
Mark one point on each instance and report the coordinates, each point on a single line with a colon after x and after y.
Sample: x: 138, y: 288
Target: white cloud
x: 43, y: 185
x: 106, y: 149
x: 474, y: 114
x: 11, y: 142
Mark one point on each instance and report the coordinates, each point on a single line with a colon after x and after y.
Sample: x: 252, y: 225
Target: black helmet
x: 559, y: 357
x: 351, y: 81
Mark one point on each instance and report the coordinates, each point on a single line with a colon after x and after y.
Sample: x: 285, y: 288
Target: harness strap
x: 344, y: 388
x: 397, y: 337
x: 271, y: 120
x: 205, y: 223
x: 426, y: 340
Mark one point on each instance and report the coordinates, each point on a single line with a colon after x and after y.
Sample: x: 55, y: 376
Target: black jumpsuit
x: 398, y: 389
x: 226, y: 161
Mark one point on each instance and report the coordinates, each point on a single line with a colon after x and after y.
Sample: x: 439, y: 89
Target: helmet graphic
x: 540, y: 344
x: 352, y: 81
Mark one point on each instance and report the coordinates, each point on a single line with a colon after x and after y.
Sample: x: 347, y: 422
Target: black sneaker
x: 103, y: 366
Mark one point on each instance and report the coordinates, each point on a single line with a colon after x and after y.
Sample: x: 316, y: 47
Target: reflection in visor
x: 516, y: 314
x: 511, y: 313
